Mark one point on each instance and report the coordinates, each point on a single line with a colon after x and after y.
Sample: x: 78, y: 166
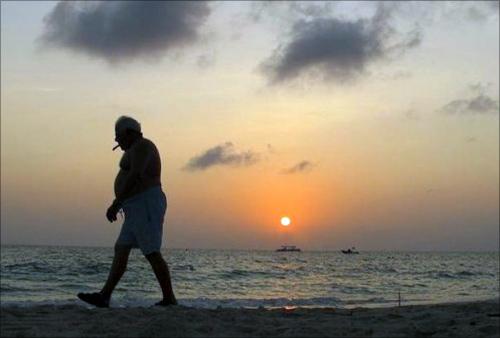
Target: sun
x: 285, y: 221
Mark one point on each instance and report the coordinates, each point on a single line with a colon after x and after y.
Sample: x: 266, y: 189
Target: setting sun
x: 285, y: 221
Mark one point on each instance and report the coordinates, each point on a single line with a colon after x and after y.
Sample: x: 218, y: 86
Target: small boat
x: 288, y: 248
x: 350, y: 251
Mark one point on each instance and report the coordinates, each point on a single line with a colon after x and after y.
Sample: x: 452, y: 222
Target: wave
x: 460, y: 274
x: 354, y: 290
x: 43, y: 267
x: 10, y: 288
x: 238, y: 273
x: 29, y: 267
x: 264, y: 302
x: 183, y: 267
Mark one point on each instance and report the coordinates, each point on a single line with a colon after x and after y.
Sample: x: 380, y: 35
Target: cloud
x: 458, y: 12
x: 286, y: 11
x: 479, y: 88
x: 397, y: 75
x: 480, y: 11
x: 481, y: 104
x: 494, y: 6
x: 271, y: 149
x: 123, y: 30
x: 337, y: 49
x: 302, y: 166
x: 223, y: 154
x: 411, y: 114
x: 205, y: 60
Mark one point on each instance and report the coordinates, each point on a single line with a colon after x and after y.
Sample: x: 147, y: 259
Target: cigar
x: 115, y: 147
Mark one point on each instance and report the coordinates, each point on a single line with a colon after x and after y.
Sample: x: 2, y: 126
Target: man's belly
x: 120, y: 182
x: 144, y: 184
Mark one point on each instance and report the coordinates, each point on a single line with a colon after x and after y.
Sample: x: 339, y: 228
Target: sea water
x: 210, y: 278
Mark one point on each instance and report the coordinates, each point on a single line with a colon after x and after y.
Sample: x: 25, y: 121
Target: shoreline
x: 460, y: 319
x: 244, y: 303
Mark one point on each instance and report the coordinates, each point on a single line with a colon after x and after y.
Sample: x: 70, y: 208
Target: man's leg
x: 117, y: 269
x: 160, y: 269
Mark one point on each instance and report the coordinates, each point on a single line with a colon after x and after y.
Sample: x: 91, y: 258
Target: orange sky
x: 386, y: 169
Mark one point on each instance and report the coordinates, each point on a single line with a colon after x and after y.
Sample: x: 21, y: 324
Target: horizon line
x: 247, y: 249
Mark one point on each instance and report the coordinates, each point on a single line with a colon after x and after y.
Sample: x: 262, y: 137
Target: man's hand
x: 112, y: 212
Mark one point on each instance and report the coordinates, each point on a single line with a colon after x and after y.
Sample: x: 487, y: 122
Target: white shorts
x: 144, y: 216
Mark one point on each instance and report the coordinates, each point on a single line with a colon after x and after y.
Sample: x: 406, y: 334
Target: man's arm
x: 139, y: 158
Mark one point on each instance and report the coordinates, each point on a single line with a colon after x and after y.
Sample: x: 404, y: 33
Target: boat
x: 350, y: 251
x: 288, y: 248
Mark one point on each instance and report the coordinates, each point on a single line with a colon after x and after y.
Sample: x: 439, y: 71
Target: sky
x: 369, y: 124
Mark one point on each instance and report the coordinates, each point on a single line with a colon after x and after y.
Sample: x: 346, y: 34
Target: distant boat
x: 288, y: 248
x: 350, y: 251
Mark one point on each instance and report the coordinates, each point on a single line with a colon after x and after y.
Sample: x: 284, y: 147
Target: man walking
x: 139, y: 194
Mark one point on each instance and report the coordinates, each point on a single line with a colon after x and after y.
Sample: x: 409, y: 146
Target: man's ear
x: 130, y: 134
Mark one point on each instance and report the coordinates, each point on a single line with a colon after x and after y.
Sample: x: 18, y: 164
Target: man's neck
x: 135, y: 140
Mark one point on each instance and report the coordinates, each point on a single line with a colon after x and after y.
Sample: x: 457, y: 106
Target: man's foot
x: 166, y: 302
x: 95, y: 299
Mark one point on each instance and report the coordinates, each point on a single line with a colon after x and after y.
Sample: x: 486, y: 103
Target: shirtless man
x: 138, y: 193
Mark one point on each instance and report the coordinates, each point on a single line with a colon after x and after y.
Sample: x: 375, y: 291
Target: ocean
x: 32, y: 275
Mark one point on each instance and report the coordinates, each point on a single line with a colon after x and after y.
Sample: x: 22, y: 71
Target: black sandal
x: 95, y: 299
x: 165, y: 302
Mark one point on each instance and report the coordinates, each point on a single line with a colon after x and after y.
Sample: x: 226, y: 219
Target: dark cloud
x: 124, y: 30
x: 302, y: 166
x: 337, y: 49
x: 481, y: 104
x: 223, y: 154
x: 289, y: 10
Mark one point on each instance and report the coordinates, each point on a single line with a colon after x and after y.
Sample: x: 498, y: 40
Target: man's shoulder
x: 148, y: 141
x: 144, y: 144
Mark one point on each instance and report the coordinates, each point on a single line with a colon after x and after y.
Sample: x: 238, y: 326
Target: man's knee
x: 154, y: 256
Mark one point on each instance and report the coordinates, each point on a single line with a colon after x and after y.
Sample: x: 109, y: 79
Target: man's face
x: 123, y: 139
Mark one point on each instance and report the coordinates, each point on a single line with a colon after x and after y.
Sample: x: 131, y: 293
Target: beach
x: 466, y: 319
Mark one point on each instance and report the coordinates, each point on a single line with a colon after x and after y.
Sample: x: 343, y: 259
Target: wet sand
x: 473, y: 319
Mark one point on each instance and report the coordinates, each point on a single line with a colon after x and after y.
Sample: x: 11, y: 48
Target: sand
x: 473, y: 319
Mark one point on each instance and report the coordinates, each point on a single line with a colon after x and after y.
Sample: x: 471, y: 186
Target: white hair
x: 125, y: 122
